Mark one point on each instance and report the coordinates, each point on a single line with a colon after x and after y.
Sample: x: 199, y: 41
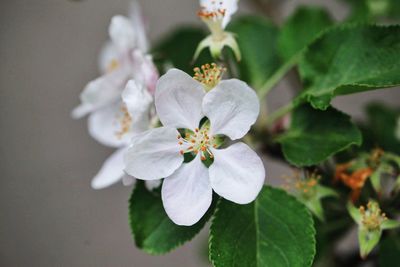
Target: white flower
x: 217, y: 14
x: 114, y: 119
x: 236, y: 173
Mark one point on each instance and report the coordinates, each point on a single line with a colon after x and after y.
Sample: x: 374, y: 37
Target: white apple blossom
x: 120, y: 102
x: 217, y: 14
x: 236, y: 172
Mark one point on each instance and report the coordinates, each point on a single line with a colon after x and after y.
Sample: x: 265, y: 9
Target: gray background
x: 49, y: 215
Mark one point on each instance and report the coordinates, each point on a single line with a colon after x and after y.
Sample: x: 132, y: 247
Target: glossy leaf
x: 274, y: 230
x: 301, y: 28
x: 350, y: 59
x: 315, y: 135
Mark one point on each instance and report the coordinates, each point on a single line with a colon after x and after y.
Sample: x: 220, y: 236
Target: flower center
x: 209, y: 75
x: 372, y: 217
x: 198, y: 141
x: 125, y: 121
x: 213, y: 16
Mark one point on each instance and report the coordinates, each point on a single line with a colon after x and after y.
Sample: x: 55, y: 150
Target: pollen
x: 125, y: 121
x: 198, y: 141
x: 372, y: 217
x: 216, y: 11
x: 303, y: 183
x: 209, y: 75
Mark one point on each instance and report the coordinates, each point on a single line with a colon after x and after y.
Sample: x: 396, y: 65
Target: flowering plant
x: 189, y: 117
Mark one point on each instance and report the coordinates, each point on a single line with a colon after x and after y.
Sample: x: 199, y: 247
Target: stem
x: 280, y: 113
x: 278, y: 75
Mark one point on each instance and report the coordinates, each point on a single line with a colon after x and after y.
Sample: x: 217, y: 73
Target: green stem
x: 278, y: 75
x: 280, y: 113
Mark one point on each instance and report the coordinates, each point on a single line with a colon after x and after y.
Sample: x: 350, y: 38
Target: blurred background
x: 49, y: 215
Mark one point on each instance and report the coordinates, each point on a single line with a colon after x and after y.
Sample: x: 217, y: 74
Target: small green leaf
x: 315, y: 135
x: 256, y: 37
x: 390, y: 224
x: 301, y: 28
x: 354, y: 213
x: 177, y: 49
x: 350, y: 59
x: 368, y: 241
x: 274, y: 230
x: 153, y: 231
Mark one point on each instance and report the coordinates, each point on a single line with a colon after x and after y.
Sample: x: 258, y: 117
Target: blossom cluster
x: 177, y: 130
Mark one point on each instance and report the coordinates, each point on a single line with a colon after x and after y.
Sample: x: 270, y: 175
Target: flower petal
x: 108, y: 56
x: 101, y: 92
x: 81, y: 111
x: 144, y: 70
x: 230, y: 7
x: 111, y: 172
x: 122, y: 33
x: 153, y: 154
x: 178, y: 100
x: 105, y: 125
x: 128, y: 180
x: 232, y: 107
x: 152, y: 184
x: 138, y: 22
x: 237, y: 173
x: 187, y: 193
x: 138, y: 101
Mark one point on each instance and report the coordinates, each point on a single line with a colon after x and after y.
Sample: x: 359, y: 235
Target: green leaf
x: 350, y: 59
x: 315, y: 135
x: 274, y: 230
x: 390, y: 224
x: 301, y: 28
x: 389, y: 251
x: 354, y: 212
x: 368, y: 241
x: 153, y: 231
x: 380, y: 129
x: 177, y: 49
x: 256, y: 37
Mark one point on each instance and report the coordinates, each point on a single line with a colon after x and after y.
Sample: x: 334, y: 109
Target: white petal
x: 187, y: 193
x: 152, y: 184
x: 237, y: 173
x: 122, y: 33
x: 232, y: 107
x: 144, y: 70
x: 230, y: 7
x: 81, y: 111
x: 138, y: 22
x: 108, y: 55
x: 103, y: 90
x: 104, y: 125
x: 111, y: 172
x: 138, y: 102
x: 153, y: 154
x: 178, y: 100
x: 128, y: 180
